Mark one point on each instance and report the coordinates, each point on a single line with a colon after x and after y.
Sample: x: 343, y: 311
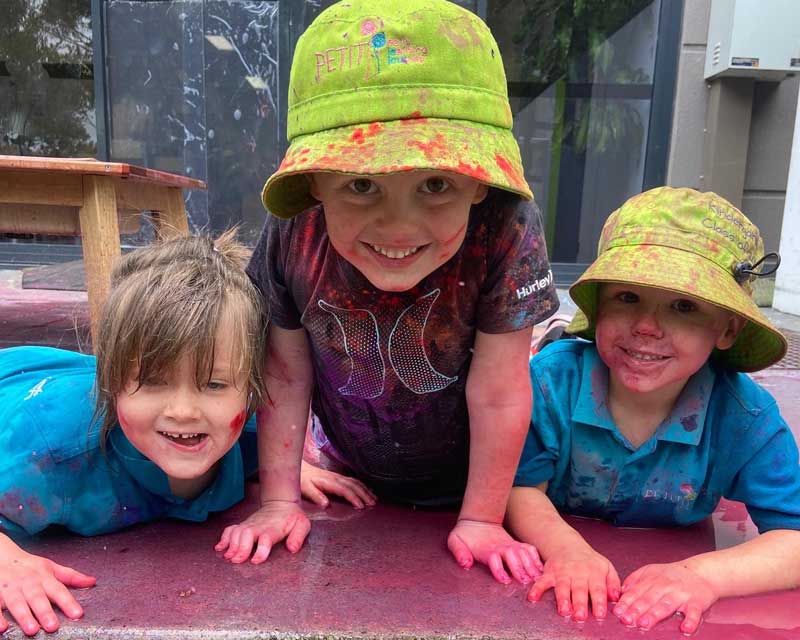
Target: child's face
x: 397, y: 229
x: 183, y: 429
x: 654, y: 340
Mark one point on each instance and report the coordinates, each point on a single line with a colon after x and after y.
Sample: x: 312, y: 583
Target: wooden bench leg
x: 171, y: 221
x: 100, y: 238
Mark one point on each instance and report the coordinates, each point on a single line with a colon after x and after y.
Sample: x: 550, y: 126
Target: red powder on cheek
x: 456, y: 235
x: 238, y: 421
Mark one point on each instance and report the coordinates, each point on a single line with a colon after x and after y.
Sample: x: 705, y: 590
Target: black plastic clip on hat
x: 745, y: 271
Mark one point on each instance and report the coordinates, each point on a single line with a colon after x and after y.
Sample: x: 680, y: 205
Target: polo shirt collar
x: 685, y: 422
x: 226, y: 490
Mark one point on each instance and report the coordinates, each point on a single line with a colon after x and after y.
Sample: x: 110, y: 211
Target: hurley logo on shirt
x: 538, y: 285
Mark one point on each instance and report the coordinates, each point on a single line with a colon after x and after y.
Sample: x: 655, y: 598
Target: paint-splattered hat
x: 396, y: 85
x: 689, y: 242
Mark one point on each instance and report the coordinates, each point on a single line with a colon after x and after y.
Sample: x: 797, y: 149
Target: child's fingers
x: 580, y: 599
x: 612, y: 583
x: 224, y: 539
x: 348, y: 492
x: 692, y: 616
x: 528, y: 561
x: 363, y: 492
x: 632, y: 579
x: 563, y: 595
x: 543, y: 583
x: 531, y: 559
x: 460, y: 551
x: 513, y: 560
x: 58, y: 594
x: 497, y: 568
x: 316, y: 496
x: 599, y: 595
x: 41, y: 608
x: 71, y: 577
x: 241, y: 546
x: 297, y: 534
x: 262, y: 550
x: 20, y: 611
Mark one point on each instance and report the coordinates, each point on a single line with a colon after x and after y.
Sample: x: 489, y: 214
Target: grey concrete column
x: 787, y: 282
x: 727, y: 136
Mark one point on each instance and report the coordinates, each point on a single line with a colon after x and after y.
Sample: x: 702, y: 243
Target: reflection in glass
x: 46, y: 86
x: 580, y: 76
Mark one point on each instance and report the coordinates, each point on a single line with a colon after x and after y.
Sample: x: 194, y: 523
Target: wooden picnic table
x: 91, y: 199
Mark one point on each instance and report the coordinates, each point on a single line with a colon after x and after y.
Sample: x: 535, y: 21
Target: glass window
x: 46, y: 79
x: 580, y: 75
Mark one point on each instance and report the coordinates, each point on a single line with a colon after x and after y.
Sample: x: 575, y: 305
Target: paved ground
x: 382, y: 573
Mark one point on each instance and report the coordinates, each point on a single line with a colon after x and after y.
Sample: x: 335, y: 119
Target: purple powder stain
x: 689, y: 423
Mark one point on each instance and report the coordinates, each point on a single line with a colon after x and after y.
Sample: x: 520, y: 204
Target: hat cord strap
x: 745, y: 271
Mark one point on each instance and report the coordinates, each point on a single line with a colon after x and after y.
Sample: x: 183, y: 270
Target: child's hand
x: 316, y: 482
x: 575, y: 575
x: 28, y: 586
x: 490, y: 544
x: 656, y: 591
x: 273, y: 522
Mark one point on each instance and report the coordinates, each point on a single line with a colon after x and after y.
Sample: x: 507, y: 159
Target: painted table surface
x: 380, y: 573
x: 90, y: 166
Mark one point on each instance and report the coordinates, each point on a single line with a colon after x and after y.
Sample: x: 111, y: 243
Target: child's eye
x: 215, y: 385
x: 362, y: 186
x: 628, y: 297
x: 684, y: 306
x: 435, y: 185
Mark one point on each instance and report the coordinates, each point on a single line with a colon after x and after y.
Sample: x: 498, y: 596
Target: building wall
x: 774, y: 107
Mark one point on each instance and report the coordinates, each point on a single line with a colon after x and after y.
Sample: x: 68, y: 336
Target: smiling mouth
x: 644, y: 357
x: 184, y: 439
x: 395, y: 253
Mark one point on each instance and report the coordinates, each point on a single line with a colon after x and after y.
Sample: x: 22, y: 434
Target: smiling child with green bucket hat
x: 653, y: 421
x: 404, y: 266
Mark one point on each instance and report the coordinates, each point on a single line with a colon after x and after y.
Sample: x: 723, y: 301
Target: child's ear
x: 728, y: 337
x: 480, y: 193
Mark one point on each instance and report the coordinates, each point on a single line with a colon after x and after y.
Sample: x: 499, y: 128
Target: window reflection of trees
x: 46, y: 88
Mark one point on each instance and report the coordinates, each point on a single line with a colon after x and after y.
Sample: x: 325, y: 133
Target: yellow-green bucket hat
x: 689, y: 242
x: 396, y: 85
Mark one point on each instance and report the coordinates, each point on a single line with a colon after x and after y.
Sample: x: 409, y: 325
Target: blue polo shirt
x: 53, y: 471
x: 724, y: 438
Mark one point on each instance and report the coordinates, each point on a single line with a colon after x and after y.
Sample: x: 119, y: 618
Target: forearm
x: 532, y: 518
x: 283, y: 417
x: 497, y: 433
x: 766, y: 563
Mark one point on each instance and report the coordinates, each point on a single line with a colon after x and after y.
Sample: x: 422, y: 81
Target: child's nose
x: 182, y: 405
x: 647, y: 323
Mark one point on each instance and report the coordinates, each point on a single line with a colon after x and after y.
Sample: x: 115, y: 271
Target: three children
x: 652, y: 422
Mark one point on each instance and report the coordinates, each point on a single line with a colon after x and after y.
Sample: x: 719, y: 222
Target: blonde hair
x: 166, y: 301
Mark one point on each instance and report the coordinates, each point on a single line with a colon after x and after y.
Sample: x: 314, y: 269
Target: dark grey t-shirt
x: 391, y: 368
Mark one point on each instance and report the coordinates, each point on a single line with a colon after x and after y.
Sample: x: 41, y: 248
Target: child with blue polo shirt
x: 652, y: 422
x: 148, y: 429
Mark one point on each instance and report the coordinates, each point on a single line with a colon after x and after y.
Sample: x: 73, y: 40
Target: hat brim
x: 487, y: 153
x: 758, y: 345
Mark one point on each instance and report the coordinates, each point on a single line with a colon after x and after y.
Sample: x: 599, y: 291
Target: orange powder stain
x: 477, y: 172
x: 508, y: 169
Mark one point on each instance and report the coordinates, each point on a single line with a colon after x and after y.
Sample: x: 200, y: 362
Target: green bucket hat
x: 396, y: 85
x: 689, y: 242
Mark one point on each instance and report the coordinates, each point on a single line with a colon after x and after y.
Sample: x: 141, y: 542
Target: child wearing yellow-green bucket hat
x: 404, y: 266
x: 653, y: 421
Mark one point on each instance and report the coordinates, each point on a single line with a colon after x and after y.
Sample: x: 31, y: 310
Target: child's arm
x: 288, y: 376
x: 656, y: 591
x: 499, y: 404
x: 572, y: 568
x: 29, y: 584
